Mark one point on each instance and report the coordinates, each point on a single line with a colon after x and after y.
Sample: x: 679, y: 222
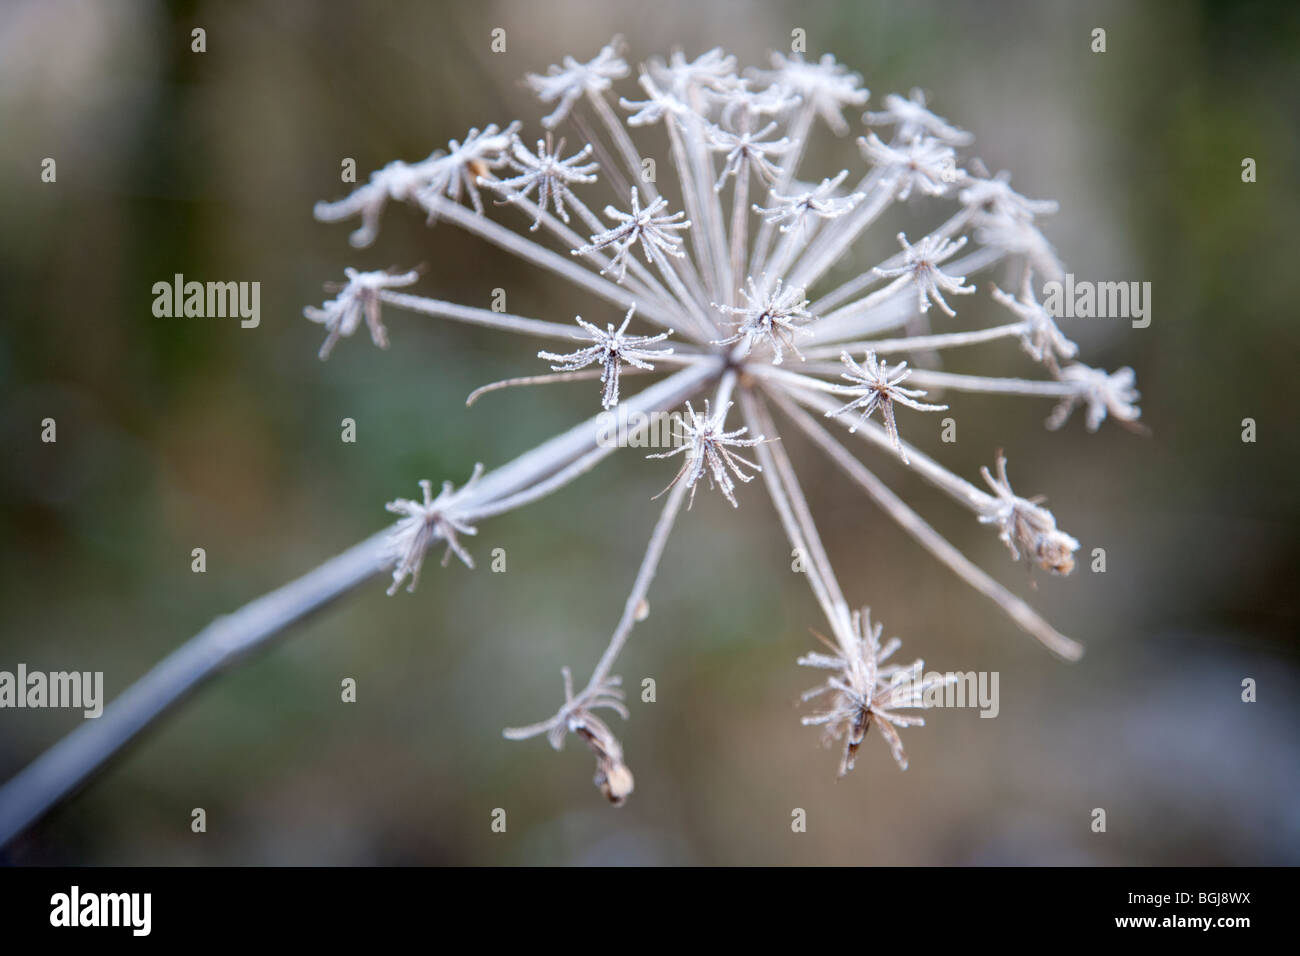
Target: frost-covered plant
x: 736, y: 257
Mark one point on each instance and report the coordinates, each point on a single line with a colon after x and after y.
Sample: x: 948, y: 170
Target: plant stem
x: 1018, y: 610
x: 67, y: 765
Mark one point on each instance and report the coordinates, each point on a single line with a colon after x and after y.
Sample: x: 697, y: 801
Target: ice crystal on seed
x: 654, y: 232
x: 1041, y: 339
x: 925, y: 165
x: 545, y: 171
x: 658, y: 104
x: 398, y: 181
x: 444, y: 172
x: 707, y: 445
x: 921, y: 266
x: 1004, y: 219
x: 742, y: 104
x: 993, y: 198
x: 877, y: 386
x: 789, y: 211
x: 711, y: 70
x: 770, y: 315
x: 747, y: 148
x: 826, y: 86
x: 1104, y: 393
x: 358, y: 298
x: 912, y: 120
x: 566, y: 84
x: 612, y: 348
x: 463, y: 163
x: 425, y: 522
x: 1024, y: 525
x: 864, y: 691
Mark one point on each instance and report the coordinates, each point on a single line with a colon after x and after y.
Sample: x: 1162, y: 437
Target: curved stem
x: 69, y: 763
x: 63, y: 768
x: 550, y: 378
x: 649, y: 565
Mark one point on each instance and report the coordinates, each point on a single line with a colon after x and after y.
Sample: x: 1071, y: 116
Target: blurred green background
x: 183, y: 433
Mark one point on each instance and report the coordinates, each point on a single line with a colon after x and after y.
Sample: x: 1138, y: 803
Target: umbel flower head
x: 444, y: 172
x: 654, y: 232
x: 423, y: 523
x: 1024, y: 525
x: 611, y: 350
x: 770, y: 316
x: 920, y: 268
x: 878, y: 387
x: 736, y: 275
x: 357, y: 298
x: 545, y: 172
x: 864, y: 691
x: 707, y: 445
x: 790, y: 211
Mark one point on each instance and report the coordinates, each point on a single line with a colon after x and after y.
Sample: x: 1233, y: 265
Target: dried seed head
x: 613, y: 348
x: 1041, y: 339
x: 760, y: 123
x: 1114, y: 394
x: 612, y: 775
x: 772, y: 315
x: 359, y: 298
x: 921, y: 266
x: 863, y: 692
x: 925, y: 165
x: 877, y: 386
x: 824, y: 85
x: 544, y: 171
x: 1024, y: 525
x: 707, y: 445
x: 912, y: 120
x: 565, y: 84
x: 424, y: 523
x: 820, y: 201
x: 654, y: 232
